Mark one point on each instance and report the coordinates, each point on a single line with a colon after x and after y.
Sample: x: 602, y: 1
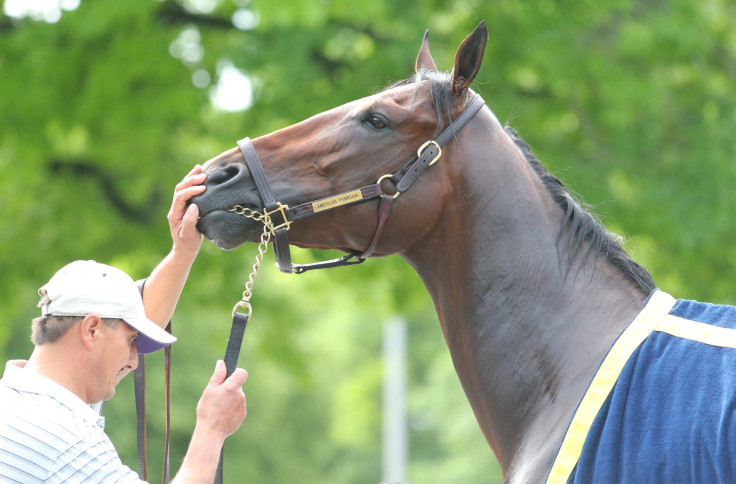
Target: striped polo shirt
x: 48, y: 434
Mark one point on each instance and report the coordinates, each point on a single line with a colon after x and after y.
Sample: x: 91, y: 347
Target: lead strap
x: 167, y: 399
x: 139, y: 382
x: 234, y: 341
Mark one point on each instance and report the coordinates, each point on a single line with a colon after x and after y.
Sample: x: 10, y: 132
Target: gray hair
x: 50, y: 328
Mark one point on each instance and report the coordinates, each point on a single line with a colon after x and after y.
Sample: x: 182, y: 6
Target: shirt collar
x: 29, y: 381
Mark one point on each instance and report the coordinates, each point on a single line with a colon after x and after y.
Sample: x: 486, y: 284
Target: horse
x: 542, y: 309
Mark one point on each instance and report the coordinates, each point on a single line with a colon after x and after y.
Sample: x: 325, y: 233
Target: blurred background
x: 105, y: 105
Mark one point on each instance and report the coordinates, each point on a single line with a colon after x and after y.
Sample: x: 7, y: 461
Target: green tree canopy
x: 105, y: 105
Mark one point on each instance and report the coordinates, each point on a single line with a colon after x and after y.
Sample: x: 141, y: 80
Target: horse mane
x: 581, y: 226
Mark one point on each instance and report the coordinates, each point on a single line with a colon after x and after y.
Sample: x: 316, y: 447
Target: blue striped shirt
x: 48, y: 434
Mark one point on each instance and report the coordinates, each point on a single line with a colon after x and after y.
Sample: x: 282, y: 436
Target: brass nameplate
x: 337, y: 200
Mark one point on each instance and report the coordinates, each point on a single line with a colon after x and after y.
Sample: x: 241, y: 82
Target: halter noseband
x: 427, y: 154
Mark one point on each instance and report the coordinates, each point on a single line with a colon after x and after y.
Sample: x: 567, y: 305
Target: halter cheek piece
x: 282, y: 216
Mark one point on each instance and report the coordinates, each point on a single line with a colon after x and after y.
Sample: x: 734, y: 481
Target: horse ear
x: 424, y: 58
x: 468, y: 58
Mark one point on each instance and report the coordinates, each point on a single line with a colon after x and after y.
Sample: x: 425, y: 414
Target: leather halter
x: 427, y: 154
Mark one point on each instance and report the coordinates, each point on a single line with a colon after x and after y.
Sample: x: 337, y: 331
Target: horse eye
x: 376, y: 121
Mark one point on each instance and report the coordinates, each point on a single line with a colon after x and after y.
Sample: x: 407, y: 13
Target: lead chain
x: 252, y: 214
x: 262, y: 249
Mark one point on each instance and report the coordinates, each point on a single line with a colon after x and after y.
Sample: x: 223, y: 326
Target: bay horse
x: 542, y: 309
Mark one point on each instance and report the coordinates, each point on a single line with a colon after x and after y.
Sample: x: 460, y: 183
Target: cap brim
x: 151, y: 337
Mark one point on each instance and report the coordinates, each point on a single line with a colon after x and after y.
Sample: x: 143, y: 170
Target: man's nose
x: 133, y: 357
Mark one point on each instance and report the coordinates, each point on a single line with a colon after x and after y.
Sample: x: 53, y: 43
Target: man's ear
x: 89, y: 330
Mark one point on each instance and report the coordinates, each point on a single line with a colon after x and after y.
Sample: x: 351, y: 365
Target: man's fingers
x: 234, y: 381
x: 181, y: 197
x: 194, y: 177
x: 237, y: 379
x: 188, y: 228
x: 189, y: 182
x: 191, y: 185
x: 191, y: 216
x: 197, y: 169
x: 219, y: 375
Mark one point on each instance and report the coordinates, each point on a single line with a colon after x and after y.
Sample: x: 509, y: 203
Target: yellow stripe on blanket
x: 696, y: 331
x: 649, y: 318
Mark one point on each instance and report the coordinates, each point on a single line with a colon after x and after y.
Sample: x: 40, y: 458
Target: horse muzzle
x: 227, y: 185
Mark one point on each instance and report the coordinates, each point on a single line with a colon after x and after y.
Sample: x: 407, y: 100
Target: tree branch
x: 142, y: 213
x: 173, y: 13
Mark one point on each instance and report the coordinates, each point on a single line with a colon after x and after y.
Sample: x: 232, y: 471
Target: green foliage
x: 630, y: 102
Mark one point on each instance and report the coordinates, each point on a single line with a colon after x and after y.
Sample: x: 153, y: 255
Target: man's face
x: 117, y: 356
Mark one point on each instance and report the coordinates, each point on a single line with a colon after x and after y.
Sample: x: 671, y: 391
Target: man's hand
x: 222, y: 406
x: 183, y: 220
x: 164, y: 285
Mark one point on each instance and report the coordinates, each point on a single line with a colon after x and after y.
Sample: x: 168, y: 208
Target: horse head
x: 343, y: 149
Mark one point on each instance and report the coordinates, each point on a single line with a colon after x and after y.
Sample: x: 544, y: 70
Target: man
x: 94, y: 323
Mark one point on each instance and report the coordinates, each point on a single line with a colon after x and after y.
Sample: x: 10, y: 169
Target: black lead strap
x: 139, y: 379
x: 234, y: 341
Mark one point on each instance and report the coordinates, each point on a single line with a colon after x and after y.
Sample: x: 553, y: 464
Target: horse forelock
x: 439, y: 88
x: 582, y: 225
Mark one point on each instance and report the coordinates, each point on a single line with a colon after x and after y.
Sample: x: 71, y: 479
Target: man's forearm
x: 165, y: 284
x: 220, y: 411
x: 200, y: 462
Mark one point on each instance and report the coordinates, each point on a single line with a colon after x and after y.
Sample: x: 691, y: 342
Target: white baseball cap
x: 87, y: 287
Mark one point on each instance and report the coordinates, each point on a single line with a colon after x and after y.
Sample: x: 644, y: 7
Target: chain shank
x: 268, y: 230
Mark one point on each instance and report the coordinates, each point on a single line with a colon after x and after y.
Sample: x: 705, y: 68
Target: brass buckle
x: 280, y: 208
x: 396, y: 195
x: 422, y: 148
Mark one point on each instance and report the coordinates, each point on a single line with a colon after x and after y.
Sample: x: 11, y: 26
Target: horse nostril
x: 224, y: 175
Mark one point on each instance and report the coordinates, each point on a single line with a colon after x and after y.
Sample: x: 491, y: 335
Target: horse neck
x: 525, y: 336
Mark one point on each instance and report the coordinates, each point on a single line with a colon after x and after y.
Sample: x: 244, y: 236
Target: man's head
x: 88, y: 287
x: 92, y: 328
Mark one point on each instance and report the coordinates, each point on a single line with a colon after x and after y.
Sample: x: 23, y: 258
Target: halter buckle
x: 424, y: 146
x: 279, y: 208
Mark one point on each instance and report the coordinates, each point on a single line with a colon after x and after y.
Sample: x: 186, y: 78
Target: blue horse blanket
x: 662, y: 406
